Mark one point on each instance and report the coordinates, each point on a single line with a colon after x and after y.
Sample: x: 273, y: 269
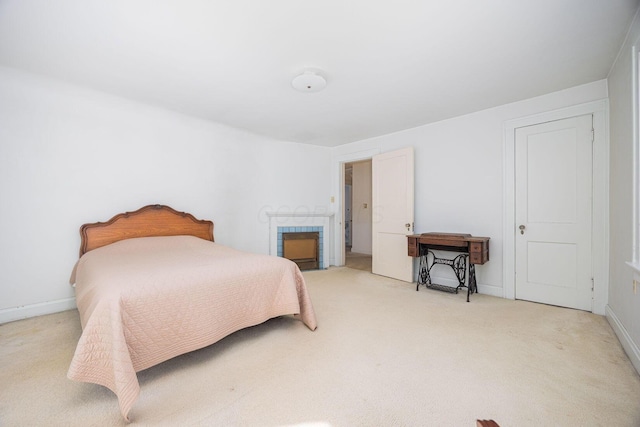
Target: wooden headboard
x: 149, y: 221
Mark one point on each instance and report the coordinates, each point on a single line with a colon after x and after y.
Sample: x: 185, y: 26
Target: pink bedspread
x: 143, y: 301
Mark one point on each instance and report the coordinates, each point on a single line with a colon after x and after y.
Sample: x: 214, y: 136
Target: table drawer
x: 413, y: 250
x: 476, y: 247
x: 476, y: 258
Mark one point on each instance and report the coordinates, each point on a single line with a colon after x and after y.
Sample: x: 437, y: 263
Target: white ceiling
x: 390, y: 65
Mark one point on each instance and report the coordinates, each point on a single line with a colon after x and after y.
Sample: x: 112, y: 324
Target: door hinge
x: 592, y: 284
x: 593, y: 135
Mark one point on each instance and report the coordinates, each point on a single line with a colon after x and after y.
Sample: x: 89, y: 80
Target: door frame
x: 600, y: 213
x: 338, y: 163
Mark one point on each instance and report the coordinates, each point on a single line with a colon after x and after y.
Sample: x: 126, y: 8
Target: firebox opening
x: 302, y: 248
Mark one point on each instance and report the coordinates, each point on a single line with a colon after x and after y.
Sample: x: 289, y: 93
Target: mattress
x: 146, y: 300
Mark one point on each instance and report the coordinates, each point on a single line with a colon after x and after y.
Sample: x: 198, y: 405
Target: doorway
x: 600, y: 196
x: 389, y: 229
x: 357, y: 215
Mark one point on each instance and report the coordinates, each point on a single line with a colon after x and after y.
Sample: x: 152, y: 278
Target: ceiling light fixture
x: 309, y: 81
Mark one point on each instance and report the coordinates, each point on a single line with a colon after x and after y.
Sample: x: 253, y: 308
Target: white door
x: 553, y: 212
x: 392, y: 216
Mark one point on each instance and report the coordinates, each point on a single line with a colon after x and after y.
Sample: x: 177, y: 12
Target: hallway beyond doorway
x: 357, y: 261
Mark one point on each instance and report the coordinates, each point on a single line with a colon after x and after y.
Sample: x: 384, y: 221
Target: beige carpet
x: 383, y: 355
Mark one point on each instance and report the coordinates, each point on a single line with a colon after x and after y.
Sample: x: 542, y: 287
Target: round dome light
x: 309, y: 81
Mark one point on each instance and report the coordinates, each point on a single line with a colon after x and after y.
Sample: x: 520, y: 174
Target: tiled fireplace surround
x: 292, y: 222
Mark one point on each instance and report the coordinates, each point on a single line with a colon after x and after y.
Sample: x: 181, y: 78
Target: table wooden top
x: 454, y: 239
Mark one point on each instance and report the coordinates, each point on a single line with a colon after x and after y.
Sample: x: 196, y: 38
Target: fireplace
x: 303, y: 248
x: 301, y: 222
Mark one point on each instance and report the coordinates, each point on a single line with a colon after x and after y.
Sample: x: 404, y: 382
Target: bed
x: 152, y: 284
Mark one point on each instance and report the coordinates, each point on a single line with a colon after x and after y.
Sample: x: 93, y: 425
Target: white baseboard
x: 33, y: 310
x: 630, y: 347
x: 363, y: 251
x: 494, y: 291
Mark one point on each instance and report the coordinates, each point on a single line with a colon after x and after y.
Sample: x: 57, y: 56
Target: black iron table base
x: 459, y: 265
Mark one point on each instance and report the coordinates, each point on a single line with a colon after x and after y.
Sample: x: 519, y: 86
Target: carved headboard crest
x: 148, y: 221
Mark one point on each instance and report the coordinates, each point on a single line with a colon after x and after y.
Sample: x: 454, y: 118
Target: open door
x: 392, y: 200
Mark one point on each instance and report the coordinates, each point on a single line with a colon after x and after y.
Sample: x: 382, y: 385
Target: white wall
x: 361, y: 208
x: 459, y: 170
x: 70, y: 156
x: 623, y: 311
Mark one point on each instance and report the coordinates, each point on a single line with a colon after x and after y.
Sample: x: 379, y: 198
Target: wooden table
x: 474, y: 250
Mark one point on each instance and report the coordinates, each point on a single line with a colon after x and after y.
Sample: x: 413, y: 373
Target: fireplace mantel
x: 297, y: 215
x: 301, y: 220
